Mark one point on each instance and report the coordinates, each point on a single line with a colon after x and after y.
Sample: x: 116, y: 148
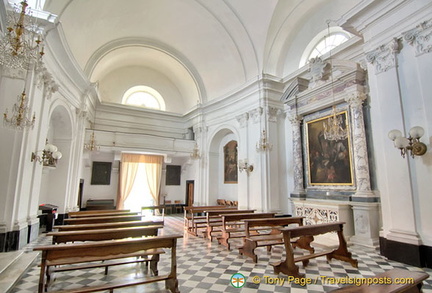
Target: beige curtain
x: 153, y: 166
x: 128, y: 171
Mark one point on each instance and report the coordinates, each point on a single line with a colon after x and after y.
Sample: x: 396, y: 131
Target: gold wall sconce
x: 49, y: 157
x: 409, y: 145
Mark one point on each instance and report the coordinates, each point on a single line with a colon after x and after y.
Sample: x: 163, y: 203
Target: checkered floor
x: 204, y: 266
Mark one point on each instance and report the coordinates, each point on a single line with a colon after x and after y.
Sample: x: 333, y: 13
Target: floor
x: 204, y: 266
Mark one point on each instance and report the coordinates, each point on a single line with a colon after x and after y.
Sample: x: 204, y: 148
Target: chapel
x: 320, y: 109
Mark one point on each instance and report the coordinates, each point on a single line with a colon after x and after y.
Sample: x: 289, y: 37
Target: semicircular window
x: 323, y: 43
x: 145, y: 97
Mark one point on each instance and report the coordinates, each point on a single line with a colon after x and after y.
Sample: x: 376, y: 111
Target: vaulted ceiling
x: 188, y: 50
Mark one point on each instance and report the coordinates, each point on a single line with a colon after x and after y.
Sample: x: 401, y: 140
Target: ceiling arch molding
x: 97, y: 57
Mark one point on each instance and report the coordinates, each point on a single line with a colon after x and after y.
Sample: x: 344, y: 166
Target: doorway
x: 190, y: 187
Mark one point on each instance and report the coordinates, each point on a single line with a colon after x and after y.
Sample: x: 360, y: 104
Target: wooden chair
x: 178, y: 206
x: 168, y: 206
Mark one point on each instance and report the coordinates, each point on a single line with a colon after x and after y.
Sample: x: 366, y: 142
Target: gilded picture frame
x: 230, y: 162
x: 329, y: 162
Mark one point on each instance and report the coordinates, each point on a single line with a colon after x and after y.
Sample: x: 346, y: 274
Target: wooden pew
x: 98, y: 212
x: 270, y: 235
x: 104, y: 234
x: 289, y: 267
x: 233, y: 226
x: 213, y: 222
x: 411, y: 282
x: 106, y: 214
x: 103, y: 219
x: 192, y: 217
x: 106, y: 225
x: 108, y: 234
x: 67, y: 254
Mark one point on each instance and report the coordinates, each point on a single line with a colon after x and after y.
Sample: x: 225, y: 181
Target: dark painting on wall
x: 173, y: 173
x: 101, y: 173
x: 329, y: 161
x: 230, y: 162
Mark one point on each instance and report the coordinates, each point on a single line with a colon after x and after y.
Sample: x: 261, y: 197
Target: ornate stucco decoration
x: 384, y: 57
x: 273, y: 114
x: 46, y: 81
x: 420, y: 37
x: 256, y: 114
x: 317, y: 71
x: 242, y: 119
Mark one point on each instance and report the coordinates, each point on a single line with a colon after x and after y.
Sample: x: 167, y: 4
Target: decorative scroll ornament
x: 420, y: 37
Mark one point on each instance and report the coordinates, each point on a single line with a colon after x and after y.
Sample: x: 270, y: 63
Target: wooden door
x: 190, y: 186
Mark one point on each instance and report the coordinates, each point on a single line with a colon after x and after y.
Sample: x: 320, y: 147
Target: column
x: 297, y: 151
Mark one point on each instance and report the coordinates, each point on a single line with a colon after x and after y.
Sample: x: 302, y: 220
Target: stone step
x: 12, y: 266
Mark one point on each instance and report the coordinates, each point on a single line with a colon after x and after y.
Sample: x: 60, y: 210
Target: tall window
x: 144, y: 96
x: 323, y: 43
x: 140, y: 194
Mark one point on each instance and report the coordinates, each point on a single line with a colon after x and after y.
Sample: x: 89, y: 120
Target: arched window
x: 324, y: 42
x: 144, y: 96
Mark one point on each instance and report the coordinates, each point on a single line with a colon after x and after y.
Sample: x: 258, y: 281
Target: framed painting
x: 230, y: 162
x: 101, y: 173
x: 329, y: 161
x: 173, y: 173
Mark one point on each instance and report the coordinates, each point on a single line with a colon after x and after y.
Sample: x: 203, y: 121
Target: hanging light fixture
x: 21, y: 45
x: 263, y: 144
x: 21, y: 117
x: 334, y: 128
x: 92, y: 146
x: 195, y: 153
x: 409, y: 145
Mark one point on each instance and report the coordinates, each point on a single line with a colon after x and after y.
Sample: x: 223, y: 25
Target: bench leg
x: 153, y: 264
x: 224, y: 241
x: 172, y: 285
x: 304, y: 243
x: 342, y: 253
x: 248, y: 249
x: 288, y: 266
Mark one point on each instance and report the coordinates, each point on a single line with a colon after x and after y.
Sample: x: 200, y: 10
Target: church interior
x: 302, y: 108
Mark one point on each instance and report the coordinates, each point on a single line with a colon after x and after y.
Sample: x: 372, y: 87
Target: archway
x: 222, y: 157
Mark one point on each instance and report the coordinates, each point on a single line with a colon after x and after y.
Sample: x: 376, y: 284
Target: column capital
x: 384, y: 57
x: 420, y: 37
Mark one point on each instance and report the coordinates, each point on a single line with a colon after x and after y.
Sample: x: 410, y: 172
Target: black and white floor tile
x: 204, y: 266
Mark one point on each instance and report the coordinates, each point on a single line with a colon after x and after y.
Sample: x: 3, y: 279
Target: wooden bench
x: 100, y: 204
x: 396, y: 280
x: 67, y: 254
x: 289, y: 267
x: 192, y: 216
x: 104, y: 234
x: 105, y: 214
x: 213, y: 221
x: 108, y: 234
x: 233, y: 226
x: 98, y: 212
x: 270, y: 235
x: 106, y: 225
x: 103, y: 219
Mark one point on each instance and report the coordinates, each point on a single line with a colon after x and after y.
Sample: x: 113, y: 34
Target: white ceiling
x: 198, y: 50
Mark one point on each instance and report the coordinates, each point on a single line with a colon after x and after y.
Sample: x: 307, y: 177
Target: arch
x: 216, y: 186
x: 146, y: 99
x: 320, y: 39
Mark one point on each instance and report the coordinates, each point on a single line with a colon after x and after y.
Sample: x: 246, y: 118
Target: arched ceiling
x: 201, y: 49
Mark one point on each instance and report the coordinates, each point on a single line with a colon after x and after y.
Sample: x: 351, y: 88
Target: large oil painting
x: 230, y: 162
x: 329, y: 161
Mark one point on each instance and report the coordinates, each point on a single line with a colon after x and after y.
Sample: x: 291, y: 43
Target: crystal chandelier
x: 21, y: 46
x: 92, y: 146
x: 195, y: 153
x: 21, y: 117
x: 334, y: 127
x: 263, y: 144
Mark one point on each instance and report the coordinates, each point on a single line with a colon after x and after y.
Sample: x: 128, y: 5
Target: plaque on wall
x: 101, y: 173
x: 173, y: 175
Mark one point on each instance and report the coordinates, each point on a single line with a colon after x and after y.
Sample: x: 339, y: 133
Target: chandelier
x: 263, y: 144
x: 21, y: 45
x: 195, y: 153
x: 50, y: 155
x: 21, y: 117
x: 92, y: 146
x: 334, y: 127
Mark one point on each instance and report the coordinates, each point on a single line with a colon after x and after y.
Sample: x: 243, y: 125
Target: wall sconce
x: 263, y: 144
x: 50, y: 155
x: 411, y: 144
x: 244, y: 166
